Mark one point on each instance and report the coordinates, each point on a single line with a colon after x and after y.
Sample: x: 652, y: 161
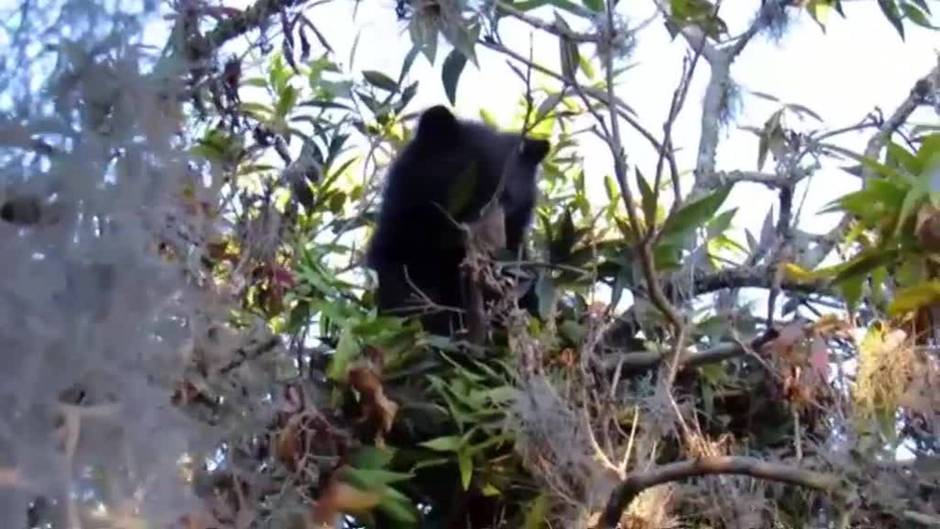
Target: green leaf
x: 255, y: 81
x: 371, y: 457
x: 922, y: 4
x: 285, y: 102
x: 594, y: 5
x: 380, y: 80
x: 647, y: 198
x: 537, y: 512
x: 721, y: 223
x: 914, y: 196
x: 874, y: 165
x: 398, y: 509
x: 915, y: 15
x: 893, y: 14
x: 450, y: 73
x: 560, y: 4
x: 770, y: 134
x: 346, y: 350
x: 913, y: 298
x: 851, y: 289
x: 570, y: 57
x: 610, y: 186
x: 465, y: 463
x: 586, y: 67
x: 547, y: 106
x: 695, y: 213
x: 864, y: 263
x: 370, y: 478
x: 929, y: 151
x: 899, y: 156
x: 449, y: 443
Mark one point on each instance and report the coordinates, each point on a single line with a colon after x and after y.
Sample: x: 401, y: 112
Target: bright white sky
x: 859, y: 63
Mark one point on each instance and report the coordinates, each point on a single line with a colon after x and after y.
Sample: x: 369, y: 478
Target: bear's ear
x: 437, y: 123
x: 534, y: 150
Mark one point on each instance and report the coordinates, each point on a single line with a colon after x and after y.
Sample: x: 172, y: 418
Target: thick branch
x: 633, y: 362
x: 720, y: 60
x: 756, y: 277
x: 745, y: 466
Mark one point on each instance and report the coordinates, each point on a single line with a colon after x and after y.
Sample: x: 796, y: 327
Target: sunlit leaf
x: 346, y: 350
x: 450, y: 443
x: 912, y: 298
x: 695, y: 213
x: 465, y: 464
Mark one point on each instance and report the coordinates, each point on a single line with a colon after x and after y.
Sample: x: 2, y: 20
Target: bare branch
x: 637, y: 361
x: 720, y: 60
x: 767, y: 179
x: 629, y: 488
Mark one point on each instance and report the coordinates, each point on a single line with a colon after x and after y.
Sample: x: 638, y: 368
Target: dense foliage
x: 189, y: 336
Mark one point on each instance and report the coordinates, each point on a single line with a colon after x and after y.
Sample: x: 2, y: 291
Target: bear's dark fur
x: 443, y: 177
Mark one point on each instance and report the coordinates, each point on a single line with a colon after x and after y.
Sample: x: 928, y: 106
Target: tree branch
x: 756, y: 277
x: 633, y: 362
x: 629, y: 488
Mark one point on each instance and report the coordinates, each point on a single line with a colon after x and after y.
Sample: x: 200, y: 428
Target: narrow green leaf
x: 913, y: 298
x: 570, y: 57
x: 594, y: 5
x: 450, y: 73
x: 380, y: 80
x: 537, y: 512
x: 913, y: 197
x: 851, y: 290
x: 647, y: 198
x: 371, y: 457
x: 929, y: 151
x: 465, y: 462
x: 915, y: 15
x: 408, y: 62
x: 721, y: 223
x: 922, y: 4
x: 450, y: 443
x: 893, y: 14
x: 694, y: 213
x: 370, y: 478
x: 398, y: 507
x: 346, y: 350
x: 864, y: 263
x: 900, y: 157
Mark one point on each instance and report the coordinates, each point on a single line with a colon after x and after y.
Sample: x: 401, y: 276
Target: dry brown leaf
x: 341, y: 497
x: 787, y: 337
x: 377, y: 405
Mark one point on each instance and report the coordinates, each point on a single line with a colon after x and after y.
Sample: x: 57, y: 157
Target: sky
x: 857, y: 64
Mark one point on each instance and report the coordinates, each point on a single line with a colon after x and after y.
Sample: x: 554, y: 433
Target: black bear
x: 444, y: 177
